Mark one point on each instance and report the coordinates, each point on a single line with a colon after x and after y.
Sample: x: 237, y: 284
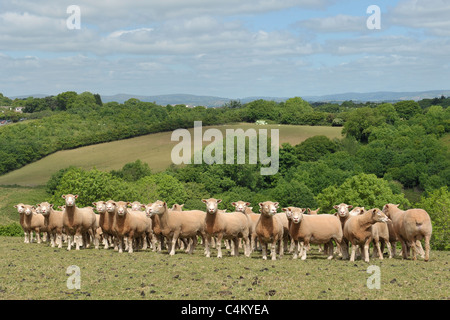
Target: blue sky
x: 230, y: 48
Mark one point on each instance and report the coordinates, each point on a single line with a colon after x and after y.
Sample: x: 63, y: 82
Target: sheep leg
x: 380, y: 252
x: 330, y: 249
x: 274, y: 247
x: 236, y: 246
x: 388, y: 245
x: 427, y: 247
x: 59, y: 240
x: 352, y: 257
x: 366, y: 251
x: 296, y: 245
x: 305, y: 245
x: 69, y: 244
x: 38, y: 236
x: 219, y: 247
x: 412, y: 244
x: 420, y: 249
x: 264, y: 250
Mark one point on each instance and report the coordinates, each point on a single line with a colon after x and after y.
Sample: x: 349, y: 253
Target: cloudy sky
x: 230, y: 48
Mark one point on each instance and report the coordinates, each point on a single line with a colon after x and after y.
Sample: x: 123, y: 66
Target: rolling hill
x: 155, y: 149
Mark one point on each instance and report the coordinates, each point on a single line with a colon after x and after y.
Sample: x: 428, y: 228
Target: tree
x: 360, y: 122
x: 133, y: 171
x: 312, y: 149
x: 363, y: 190
x: 407, y: 109
x: 437, y: 204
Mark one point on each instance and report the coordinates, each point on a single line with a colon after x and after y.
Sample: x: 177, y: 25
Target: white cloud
x: 339, y: 23
x: 430, y: 15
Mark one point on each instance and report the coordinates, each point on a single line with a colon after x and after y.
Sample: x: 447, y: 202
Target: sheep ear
x: 308, y: 210
x: 233, y: 204
x: 349, y: 206
x: 318, y: 209
x: 63, y: 196
x: 276, y: 204
x: 76, y: 196
x: 204, y: 200
x: 336, y: 206
x: 247, y: 204
x: 285, y: 209
x: 94, y: 204
x: 260, y: 204
x: 182, y: 205
x: 16, y: 206
x: 219, y: 200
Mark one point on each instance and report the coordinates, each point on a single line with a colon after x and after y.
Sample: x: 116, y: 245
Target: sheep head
x: 268, y: 208
x: 70, y: 199
x: 240, y: 206
x: 44, y: 208
x: 297, y: 215
x: 211, y: 205
x: 343, y: 209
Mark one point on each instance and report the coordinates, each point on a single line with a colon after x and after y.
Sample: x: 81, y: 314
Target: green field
x: 154, y: 149
x: 37, y: 271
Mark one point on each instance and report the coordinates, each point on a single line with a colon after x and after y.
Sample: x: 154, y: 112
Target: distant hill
x: 212, y: 101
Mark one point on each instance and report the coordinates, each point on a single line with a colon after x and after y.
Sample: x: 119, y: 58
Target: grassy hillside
x: 37, y: 271
x: 10, y: 196
x: 154, y: 149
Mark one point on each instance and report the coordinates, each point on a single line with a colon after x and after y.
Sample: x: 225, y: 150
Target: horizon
x: 229, y: 49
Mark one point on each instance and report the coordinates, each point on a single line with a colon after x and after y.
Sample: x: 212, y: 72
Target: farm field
x: 155, y: 149
x: 37, y: 271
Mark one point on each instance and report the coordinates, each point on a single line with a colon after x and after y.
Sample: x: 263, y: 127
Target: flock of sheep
x: 155, y: 225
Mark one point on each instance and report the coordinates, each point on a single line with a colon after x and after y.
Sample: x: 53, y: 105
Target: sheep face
x: 136, y: 206
x: 28, y: 210
x: 342, y: 209
x: 268, y: 208
x: 110, y: 206
x: 70, y: 199
x: 122, y: 208
x: 240, y: 206
x: 20, y: 207
x: 44, y: 208
x: 159, y: 207
x: 100, y: 206
x: 379, y: 215
x: 148, y: 209
x: 297, y: 215
x: 211, y: 205
x: 288, y: 212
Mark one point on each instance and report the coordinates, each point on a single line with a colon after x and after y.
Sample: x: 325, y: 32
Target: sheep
x: 106, y: 220
x: 356, y: 211
x: 30, y: 221
x: 131, y: 225
x: 343, y: 215
x: 77, y: 221
x: 53, y: 221
x: 177, y: 224
x: 242, y: 206
x: 318, y: 229
x: 381, y: 233
x: 229, y: 226
x: 136, y: 206
x: 358, y: 230
x: 272, y: 227
x: 411, y: 226
x: 158, y: 237
x: 177, y: 207
x: 312, y: 212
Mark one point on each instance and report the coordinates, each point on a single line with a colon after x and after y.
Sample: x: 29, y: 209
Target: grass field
x: 37, y: 271
x: 10, y: 196
x: 154, y: 149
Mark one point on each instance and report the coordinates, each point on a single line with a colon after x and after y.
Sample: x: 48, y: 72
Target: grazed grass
x: 37, y: 271
x: 155, y: 149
